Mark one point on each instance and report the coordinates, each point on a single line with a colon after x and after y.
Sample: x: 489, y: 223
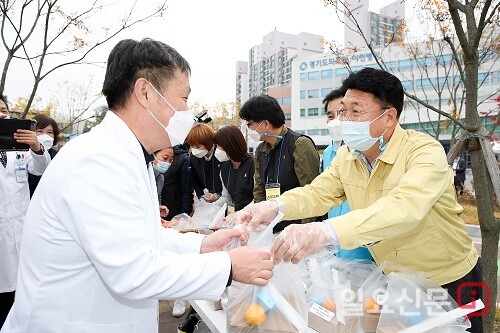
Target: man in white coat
x: 14, y: 200
x: 95, y: 257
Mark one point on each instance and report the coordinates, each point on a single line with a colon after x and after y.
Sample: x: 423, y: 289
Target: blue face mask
x: 356, y: 134
x: 162, y: 166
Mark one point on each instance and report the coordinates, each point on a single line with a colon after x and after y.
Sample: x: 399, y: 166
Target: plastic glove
x: 251, y: 265
x: 163, y: 210
x: 298, y: 241
x: 209, y: 197
x: 255, y: 215
x: 222, y: 237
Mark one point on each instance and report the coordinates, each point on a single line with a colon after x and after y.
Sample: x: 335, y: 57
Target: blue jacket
x: 361, y: 252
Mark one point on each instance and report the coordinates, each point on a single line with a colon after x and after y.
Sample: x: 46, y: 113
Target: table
x: 216, y: 320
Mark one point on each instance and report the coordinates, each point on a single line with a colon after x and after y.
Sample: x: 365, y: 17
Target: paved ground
x: 168, y: 323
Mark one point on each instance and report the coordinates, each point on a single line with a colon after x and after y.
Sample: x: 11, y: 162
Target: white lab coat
x: 14, y: 200
x: 95, y: 257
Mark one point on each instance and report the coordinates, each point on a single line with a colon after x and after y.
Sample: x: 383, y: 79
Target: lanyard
x: 213, y: 173
x: 279, y: 162
x: 229, y: 175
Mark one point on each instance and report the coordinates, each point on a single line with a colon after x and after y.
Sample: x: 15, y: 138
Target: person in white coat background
x: 95, y: 257
x: 14, y: 200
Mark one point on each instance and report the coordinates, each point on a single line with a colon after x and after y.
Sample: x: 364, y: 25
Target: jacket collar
x: 116, y: 125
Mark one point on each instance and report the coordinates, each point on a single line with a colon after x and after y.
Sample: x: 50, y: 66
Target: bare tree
x: 469, y: 31
x: 45, y: 35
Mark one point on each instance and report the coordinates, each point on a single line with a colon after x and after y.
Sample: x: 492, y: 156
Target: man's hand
x: 222, y: 237
x: 298, y: 241
x: 163, y: 210
x: 259, y: 214
x: 251, y: 265
x: 28, y: 137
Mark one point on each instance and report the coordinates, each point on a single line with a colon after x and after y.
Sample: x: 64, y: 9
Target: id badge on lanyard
x: 273, y: 191
x: 230, y: 208
x: 21, y: 170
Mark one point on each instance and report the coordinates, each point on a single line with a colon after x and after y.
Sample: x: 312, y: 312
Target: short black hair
x: 334, y: 94
x: 43, y: 121
x: 263, y: 107
x: 130, y: 60
x: 4, y: 99
x: 383, y: 85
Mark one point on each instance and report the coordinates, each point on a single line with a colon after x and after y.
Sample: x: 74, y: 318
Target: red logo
x: 474, y: 297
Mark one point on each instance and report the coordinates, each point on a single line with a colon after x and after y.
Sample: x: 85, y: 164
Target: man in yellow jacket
x: 399, y: 187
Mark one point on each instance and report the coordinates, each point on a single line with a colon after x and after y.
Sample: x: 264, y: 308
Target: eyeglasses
x: 354, y: 115
x: 250, y: 123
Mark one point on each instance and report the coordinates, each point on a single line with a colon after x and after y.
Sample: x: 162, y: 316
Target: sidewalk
x: 168, y: 323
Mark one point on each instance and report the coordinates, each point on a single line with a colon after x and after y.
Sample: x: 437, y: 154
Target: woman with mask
x: 47, y: 133
x: 162, y: 161
x: 236, y: 176
x: 204, y: 166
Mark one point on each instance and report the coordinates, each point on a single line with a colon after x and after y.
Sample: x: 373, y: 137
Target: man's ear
x: 392, y: 117
x: 142, y: 92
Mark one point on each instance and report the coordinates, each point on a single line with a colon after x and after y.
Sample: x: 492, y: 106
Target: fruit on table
x: 255, y: 314
x: 329, y: 304
x: 371, y: 305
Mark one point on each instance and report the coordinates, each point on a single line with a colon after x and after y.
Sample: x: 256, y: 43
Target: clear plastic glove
x: 163, y: 210
x: 209, y: 197
x: 259, y: 214
x: 218, y: 240
x: 251, y: 265
x: 298, y: 241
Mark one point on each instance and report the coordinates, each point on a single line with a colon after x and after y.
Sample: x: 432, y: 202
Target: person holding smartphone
x: 14, y: 200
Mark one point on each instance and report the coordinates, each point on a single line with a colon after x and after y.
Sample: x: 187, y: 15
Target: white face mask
x: 179, y: 125
x: 221, y: 155
x: 199, y: 152
x: 46, y: 140
x: 254, y: 134
x: 335, y: 129
x: 356, y: 134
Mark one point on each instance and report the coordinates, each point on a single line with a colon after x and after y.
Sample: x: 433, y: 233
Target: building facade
x: 270, y: 63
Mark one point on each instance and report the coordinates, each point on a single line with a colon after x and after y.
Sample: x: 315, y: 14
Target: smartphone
x: 7, y: 129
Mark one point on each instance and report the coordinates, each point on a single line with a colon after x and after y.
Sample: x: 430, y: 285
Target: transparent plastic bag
x: 278, y: 307
x: 204, y: 213
x: 413, y: 300
x: 183, y: 223
x: 332, y: 302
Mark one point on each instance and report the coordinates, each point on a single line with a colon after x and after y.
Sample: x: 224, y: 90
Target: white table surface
x: 216, y: 320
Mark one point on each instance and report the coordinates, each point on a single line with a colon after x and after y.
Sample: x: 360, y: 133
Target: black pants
x: 470, y: 291
x: 6, y: 301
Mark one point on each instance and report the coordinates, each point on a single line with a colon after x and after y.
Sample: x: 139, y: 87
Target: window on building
x: 287, y: 101
x: 341, y: 72
x: 325, y: 91
x: 288, y: 116
x: 327, y: 74
x: 313, y: 93
x: 424, y: 83
x: 423, y: 62
x: 407, y: 84
x: 278, y: 100
x: 311, y: 112
x: 302, y: 113
x: 405, y: 65
x: 302, y: 94
x: 483, y: 78
x: 303, y: 77
x: 312, y: 132
x: 444, y: 59
x: 313, y: 75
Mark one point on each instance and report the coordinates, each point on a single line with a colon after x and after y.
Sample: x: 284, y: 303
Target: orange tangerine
x: 371, y: 305
x: 329, y: 304
x: 255, y: 314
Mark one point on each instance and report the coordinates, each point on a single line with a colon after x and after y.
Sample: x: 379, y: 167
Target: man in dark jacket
x: 459, y: 170
x: 177, y: 192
